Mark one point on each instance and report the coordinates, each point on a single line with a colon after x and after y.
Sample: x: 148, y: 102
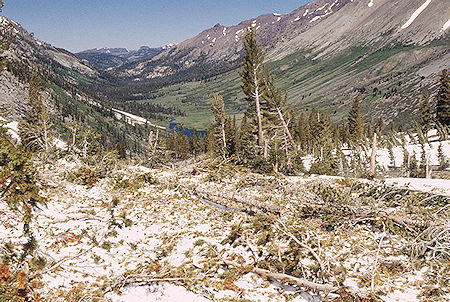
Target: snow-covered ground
x: 161, y: 231
x: 134, y: 119
x: 435, y: 186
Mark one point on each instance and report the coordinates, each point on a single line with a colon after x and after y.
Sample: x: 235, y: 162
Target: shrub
x: 83, y: 176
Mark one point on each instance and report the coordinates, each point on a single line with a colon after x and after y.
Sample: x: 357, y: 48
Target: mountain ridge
x: 338, y: 49
x: 106, y: 58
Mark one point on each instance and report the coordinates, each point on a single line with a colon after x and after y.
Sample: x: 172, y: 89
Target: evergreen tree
x: 425, y: 111
x: 414, y: 165
x: 443, y: 99
x: 344, y: 133
x: 248, y: 151
x: 355, y: 123
x: 19, y: 188
x: 321, y: 133
x: 278, y: 115
x: 35, y: 129
x: 303, y: 133
x: 379, y: 126
x: 277, y: 106
x: 253, y: 83
x: 443, y: 164
x: 232, y: 135
x: 218, y: 108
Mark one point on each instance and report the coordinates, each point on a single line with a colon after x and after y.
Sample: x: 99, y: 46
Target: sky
x: 84, y: 24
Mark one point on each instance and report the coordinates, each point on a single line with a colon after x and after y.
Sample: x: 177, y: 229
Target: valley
x: 295, y: 157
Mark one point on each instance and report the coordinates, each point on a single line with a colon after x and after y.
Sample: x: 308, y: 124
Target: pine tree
x: 279, y: 115
x: 442, y: 158
x: 20, y: 190
x: 277, y: 106
x: 247, y: 152
x: 303, y: 133
x: 443, y: 99
x: 344, y: 133
x: 218, y: 108
x: 414, y: 165
x: 35, y: 129
x: 321, y: 130
x: 253, y: 83
x: 379, y: 126
x: 425, y: 111
x: 355, y: 123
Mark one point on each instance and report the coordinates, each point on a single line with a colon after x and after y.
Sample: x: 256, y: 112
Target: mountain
x: 64, y: 77
x: 105, y: 58
x: 323, y: 54
x: 221, y: 46
x: 26, y: 48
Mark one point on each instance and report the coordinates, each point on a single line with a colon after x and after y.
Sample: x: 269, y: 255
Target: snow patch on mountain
x: 416, y: 14
x: 322, y: 7
x: 446, y: 25
x: 370, y: 3
x: 306, y: 12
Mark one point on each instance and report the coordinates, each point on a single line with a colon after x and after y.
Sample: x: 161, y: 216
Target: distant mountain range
x: 65, y: 78
x: 323, y: 54
x: 104, y: 58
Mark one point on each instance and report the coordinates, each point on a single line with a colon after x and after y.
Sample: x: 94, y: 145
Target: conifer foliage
x: 35, y: 129
x: 425, y: 111
x: 443, y: 99
x: 19, y: 189
x: 355, y: 123
x: 253, y: 83
x: 218, y: 108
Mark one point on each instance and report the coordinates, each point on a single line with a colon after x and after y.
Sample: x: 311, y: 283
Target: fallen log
x: 325, y: 288
x: 258, y: 205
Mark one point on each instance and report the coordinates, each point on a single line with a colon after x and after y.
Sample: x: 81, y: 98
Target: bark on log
x: 326, y: 288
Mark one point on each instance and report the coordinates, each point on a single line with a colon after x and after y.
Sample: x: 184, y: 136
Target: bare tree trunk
x: 46, y: 138
x: 373, y: 155
x: 85, y: 145
x: 428, y: 168
x: 224, y: 145
x: 341, y: 166
x: 150, y: 141
x: 288, y: 155
x: 156, y: 142
x: 408, y: 168
x: 286, y: 128
x: 259, y: 118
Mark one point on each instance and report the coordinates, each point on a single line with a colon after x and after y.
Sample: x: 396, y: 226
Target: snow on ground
x: 370, y: 4
x: 157, y: 292
x: 134, y: 119
x: 13, y: 130
x: 88, y: 239
x: 436, y: 186
x: 431, y: 150
x: 416, y: 14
